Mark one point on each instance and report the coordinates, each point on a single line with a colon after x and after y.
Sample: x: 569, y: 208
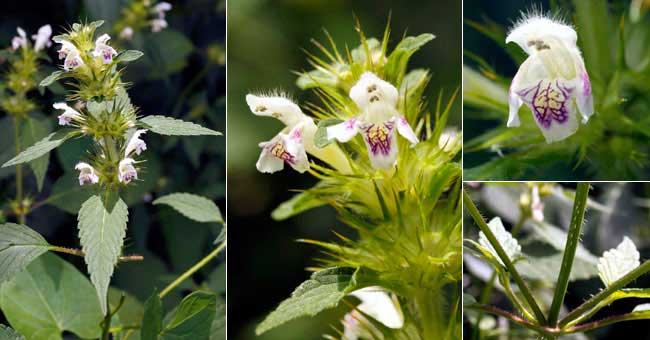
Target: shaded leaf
x: 192, y: 319
x: 152, y: 319
x: 34, y: 130
x: 6, y: 333
x: 54, y: 76
x: 19, y: 246
x: 295, y: 205
x: 51, y: 297
x: 129, y: 55
x: 194, y: 207
x: 41, y: 148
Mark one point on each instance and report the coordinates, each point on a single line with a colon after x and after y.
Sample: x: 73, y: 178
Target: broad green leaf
x: 175, y: 127
x: 218, y: 329
x: 596, y: 39
x: 32, y: 131
x: 6, y: 333
x: 169, y: 52
x: 129, y: 55
x: 7, y: 146
x: 152, y: 319
x: 320, y: 138
x: 194, y: 207
x: 41, y: 148
x: 398, y: 59
x: 19, y: 246
x: 51, y: 297
x: 325, y: 289
x: 49, y: 80
x: 102, y: 227
x: 295, y: 205
x: 546, y: 268
x: 193, y: 318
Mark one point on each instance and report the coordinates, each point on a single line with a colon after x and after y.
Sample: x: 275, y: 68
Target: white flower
x: 135, y: 144
x: 20, y: 40
x: 161, y: 8
x: 378, y: 121
x: 448, y: 138
x: 617, y: 262
x: 42, y: 38
x: 157, y: 25
x: 288, y: 146
x: 126, y: 33
x: 103, y: 50
x: 87, y: 173
x: 69, y: 114
x: 536, y: 205
x: 553, y: 81
x: 505, y: 239
x: 71, y: 55
x: 126, y: 171
x: 378, y: 304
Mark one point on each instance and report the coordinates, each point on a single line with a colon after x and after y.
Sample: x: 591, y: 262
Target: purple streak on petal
x: 378, y: 137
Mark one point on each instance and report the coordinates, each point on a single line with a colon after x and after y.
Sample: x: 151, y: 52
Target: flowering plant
x: 385, y: 165
x: 582, y: 88
x: 40, y: 292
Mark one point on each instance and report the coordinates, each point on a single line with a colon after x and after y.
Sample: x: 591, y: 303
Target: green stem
x: 607, y: 321
x: 429, y: 304
x: 192, y: 270
x: 613, y: 288
x: 19, y: 174
x: 525, y: 291
x: 511, y: 317
x: 77, y: 252
x: 572, y: 241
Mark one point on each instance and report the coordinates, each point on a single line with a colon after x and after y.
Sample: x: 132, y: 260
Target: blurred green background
x: 264, y: 45
x: 176, y: 77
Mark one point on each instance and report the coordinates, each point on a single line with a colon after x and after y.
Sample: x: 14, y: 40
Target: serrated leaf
x: 546, y: 268
x: 618, y: 262
x: 194, y: 207
x: 320, y: 138
x: 54, y: 76
x: 295, y: 205
x: 193, y: 318
x: 32, y: 131
x: 19, y: 246
x: 7, y: 333
x: 51, y: 297
x: 152, y: 319
x: 129, y: 55
x: 41, y: 148
x: 102, y: 227
x: 323, y: 290
x: 175, y: 127
x: 507, y: 242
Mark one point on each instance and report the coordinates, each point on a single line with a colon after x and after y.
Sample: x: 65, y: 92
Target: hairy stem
x: 20, y: 213
x: 572, y: 241
x: 77, y: 252
x: 525, y: 291
x: 603, y: 294
x: 193, y: 270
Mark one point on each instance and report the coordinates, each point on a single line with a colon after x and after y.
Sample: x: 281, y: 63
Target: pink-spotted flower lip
x: 378, y: 122
x: 20, y: 40
x: 87, y: 173
x: 71, y: 54
x: 69, y: 114
x: 135, y: 144
x: 126, y: 171
x: 553, y: 81
x: 42, y: 38
x: 103, y: 50
x: 284, y: 149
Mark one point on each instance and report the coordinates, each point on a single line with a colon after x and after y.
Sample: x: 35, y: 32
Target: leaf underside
x: 176, y: 127
x: 194, y: 207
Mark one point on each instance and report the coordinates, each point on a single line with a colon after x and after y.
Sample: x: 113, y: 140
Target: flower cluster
x: 377, y: 120
x: 553, y: 81
x: 41, y: 39
x: 141, y: 14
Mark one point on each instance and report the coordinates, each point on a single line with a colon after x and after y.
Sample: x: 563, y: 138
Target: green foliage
x: 41, y: 148
x: 33, y: 130
x: 192, y: 319
x: 194, y: 207
x: 19, y: 246
x: 6, y: 333
x: 324, y: 290
x: 102, y: 227
x: 49, y: 298
x: 175, y: 127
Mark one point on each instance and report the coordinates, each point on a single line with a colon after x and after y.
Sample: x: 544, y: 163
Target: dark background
x: 264, y: 45
x: 169, y: 242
